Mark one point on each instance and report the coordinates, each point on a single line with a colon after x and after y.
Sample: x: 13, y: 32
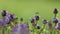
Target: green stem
x: 50, y: 32
x: 33, y: 30
x: 3, y: 30
x: 54, y: 29
x: 42, y: 29
x: 8, y: 32
x: 55, y: 16
x: 58, y: 32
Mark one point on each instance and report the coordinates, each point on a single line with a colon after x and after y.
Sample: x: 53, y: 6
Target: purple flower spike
x: 55, y: 20
x: 55, y: 11
x: 58, y: 26
x: 1, y: 22
x: 11, y: 17
x: 24, y: 28
x: 14, y: 30
x: 32, y: 20
x: 6, y: 20
x: 4, y: 13
x: 25, y: 25
x: 44, y: 21
x: 37, y: 18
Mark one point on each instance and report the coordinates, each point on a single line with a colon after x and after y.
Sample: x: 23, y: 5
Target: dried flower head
x: 44, y: 21
x: 55, y: 11
x: 49, y: 25
x: 21, y: 19
x: 37, y: 26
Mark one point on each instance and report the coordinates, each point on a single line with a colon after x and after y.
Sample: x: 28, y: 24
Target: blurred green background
x: 27, y: 8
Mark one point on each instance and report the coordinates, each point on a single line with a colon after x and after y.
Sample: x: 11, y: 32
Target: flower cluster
x: 10, y: 22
